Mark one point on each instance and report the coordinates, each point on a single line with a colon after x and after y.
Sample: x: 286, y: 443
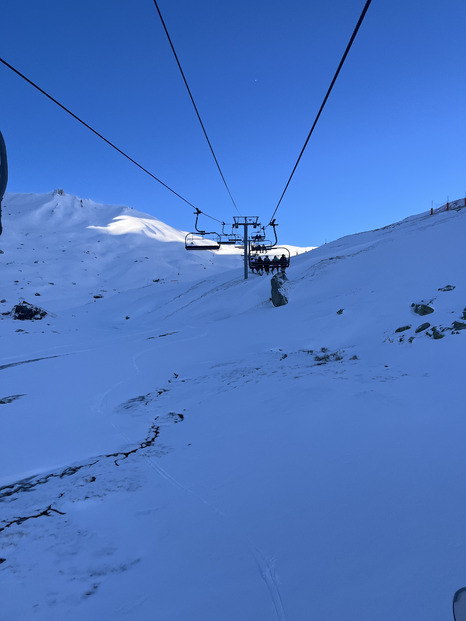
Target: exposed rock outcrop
x: 422, y: 309
x: 447, y: 288
x: 25, y: 311
x: 278, y: 289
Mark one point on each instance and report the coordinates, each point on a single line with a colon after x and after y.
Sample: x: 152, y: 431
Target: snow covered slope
x: 181, y: 449
x: 72, y: 249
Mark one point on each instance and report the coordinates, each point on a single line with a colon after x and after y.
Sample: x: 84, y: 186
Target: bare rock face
x: 25, y: 311
x: 278, y: 295
x: 447, y: 288
x: 435, y: 333
x: 422, y: 309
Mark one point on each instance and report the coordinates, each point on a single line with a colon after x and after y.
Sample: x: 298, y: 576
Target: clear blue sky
x: 392, y: 137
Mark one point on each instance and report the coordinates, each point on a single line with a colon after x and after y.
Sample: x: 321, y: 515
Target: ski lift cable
x: 348, y: 47
x: 21, y: 75
x: 194, y: 104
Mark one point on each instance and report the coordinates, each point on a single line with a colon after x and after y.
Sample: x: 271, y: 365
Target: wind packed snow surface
x: 174, y: 448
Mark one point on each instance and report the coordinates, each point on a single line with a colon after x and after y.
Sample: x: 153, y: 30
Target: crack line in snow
x: 149, y: 441
x: 20, y: 520
x: 266, y: 570
x: 27, y: 485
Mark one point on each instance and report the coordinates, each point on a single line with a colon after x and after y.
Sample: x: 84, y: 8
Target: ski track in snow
x: 265, y: 566
x: 267, y: 571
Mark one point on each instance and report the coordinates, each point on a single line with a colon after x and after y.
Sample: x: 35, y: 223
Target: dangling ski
x: 459, y: 605
x: 3, y: 175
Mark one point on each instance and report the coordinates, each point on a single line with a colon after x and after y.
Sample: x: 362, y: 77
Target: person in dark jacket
x: 275, y: 263
x: 283, y: 263
x: 259, y: 265
x: 266, y: 264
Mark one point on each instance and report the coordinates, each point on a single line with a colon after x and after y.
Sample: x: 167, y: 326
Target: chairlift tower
x: 245, y: 222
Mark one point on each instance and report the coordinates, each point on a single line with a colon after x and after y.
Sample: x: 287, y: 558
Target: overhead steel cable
x: 194, y: 104
x: 348, y: 47
x: 21, y: 75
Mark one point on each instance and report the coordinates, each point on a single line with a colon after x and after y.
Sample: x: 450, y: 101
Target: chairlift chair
x: 259, y: 237
x: 229, y: 239
x: 271, y: 252
x: 264, y: 247
x: 206, y: 241
x: 201, y: 240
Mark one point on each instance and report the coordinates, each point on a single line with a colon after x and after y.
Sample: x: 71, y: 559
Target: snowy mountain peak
x: 60, y: 210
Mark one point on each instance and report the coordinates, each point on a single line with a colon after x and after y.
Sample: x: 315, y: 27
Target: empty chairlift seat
x: 206, y: 241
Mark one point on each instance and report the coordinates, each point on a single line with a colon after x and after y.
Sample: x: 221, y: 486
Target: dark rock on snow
x: 435, y: 334
x: 25, y: 311
x: 422, y: 309
x: 447, y: 288
x: 10, y: 399
x: 278, y: 296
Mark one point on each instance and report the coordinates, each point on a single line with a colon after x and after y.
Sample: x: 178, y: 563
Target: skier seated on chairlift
x: 275, y: 263
x: 259, y: 265
x: 253, y: 264
x: 283, y: 262
x: 266, y: 264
